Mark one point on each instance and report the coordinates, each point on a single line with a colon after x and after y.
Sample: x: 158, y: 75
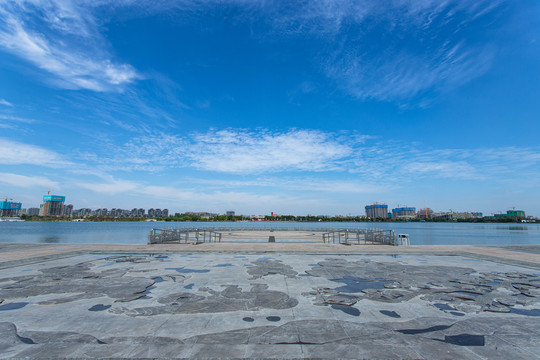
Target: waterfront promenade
x: 269, y: 300
x: 14, y: 252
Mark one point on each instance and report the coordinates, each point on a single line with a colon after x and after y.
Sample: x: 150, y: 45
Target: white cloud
x: 111, y: 188
x: 202, y: 200
x: 255, y: 152
x: 69, y: 46
x: 5, y: 102
x: 404, y: 75
x: 14, y: 122
x: 27, y: 181
x: 151, y: 153
x: 393, y: 50
x: 444, y: 169
x: 235, y: 151
x: 338, y: 186
x: 18, y: 153
x: 427, y: 55
x: 430, y: 57
x: 16, y: 119
x: 296, y: 184
x: 201, y: 197
x: 420, y: 52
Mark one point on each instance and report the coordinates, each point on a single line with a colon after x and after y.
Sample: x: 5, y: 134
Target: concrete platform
x: 269, y: 301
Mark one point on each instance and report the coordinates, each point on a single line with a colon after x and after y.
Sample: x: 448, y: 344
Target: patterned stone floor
x: 227, y: 305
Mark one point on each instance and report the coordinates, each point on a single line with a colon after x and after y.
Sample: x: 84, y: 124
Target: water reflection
x: 49, y: 239
x: 522, y: 228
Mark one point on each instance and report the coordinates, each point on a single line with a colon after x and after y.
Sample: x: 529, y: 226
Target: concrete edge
x: 449, y: 252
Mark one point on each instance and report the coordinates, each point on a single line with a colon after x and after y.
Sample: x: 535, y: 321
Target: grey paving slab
x: 213, y: 305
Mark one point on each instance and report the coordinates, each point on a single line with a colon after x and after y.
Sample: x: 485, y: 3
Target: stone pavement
x: 259, y: 301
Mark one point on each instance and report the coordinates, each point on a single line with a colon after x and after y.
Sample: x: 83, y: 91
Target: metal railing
x: 188, y: 234
x: 195, y: 236
x: 358, y: 236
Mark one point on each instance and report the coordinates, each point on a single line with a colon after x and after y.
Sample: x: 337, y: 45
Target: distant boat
x: 11, y: 219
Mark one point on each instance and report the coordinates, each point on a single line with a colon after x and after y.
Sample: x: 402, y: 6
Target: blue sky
x: 297, y: 107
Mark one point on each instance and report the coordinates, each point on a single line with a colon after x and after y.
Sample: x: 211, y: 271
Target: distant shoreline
x: 299, y: 219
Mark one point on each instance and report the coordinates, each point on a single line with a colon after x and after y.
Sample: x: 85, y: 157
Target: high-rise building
x: 101, y: 212
x: 53, y: 205
x: 377, y: 211
x: 9, y: 208
x: 32, y: 211
x: 83, y: 212
x: 404, y: 213
x: 68, y: 210
x: 231, y: 213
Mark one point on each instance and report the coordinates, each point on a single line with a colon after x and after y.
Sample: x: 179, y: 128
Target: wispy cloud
x: 423, y: 47
x: 112, y: 187
x: 261, y: 152
x: 14, y: 153
x: 5, y: 102
x: 404, y: 74
x: 234, y: 151
x: 393, y: 50
x: 386, y: 50
x: 207, y: 200
x: 27, y: 181
x: 16, y: 119
x: 63, y: 40
x: 297, y: 184
x: 443, y: 169
x: 14, y: 122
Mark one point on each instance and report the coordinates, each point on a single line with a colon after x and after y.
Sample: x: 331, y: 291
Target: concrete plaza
x: 269, y: 301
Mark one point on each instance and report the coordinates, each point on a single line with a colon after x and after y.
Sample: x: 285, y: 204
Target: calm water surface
x: 137, y: 232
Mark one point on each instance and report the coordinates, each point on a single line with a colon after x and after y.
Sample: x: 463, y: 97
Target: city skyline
x: 291, y: 107
x: 370, y: 210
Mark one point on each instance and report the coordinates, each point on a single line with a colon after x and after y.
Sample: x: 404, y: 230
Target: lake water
x: 137, y: 232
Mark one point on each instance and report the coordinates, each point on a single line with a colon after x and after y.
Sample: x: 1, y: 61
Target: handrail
x: 372, y: 236
x: 196, y: 235
x: 168, y: 235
